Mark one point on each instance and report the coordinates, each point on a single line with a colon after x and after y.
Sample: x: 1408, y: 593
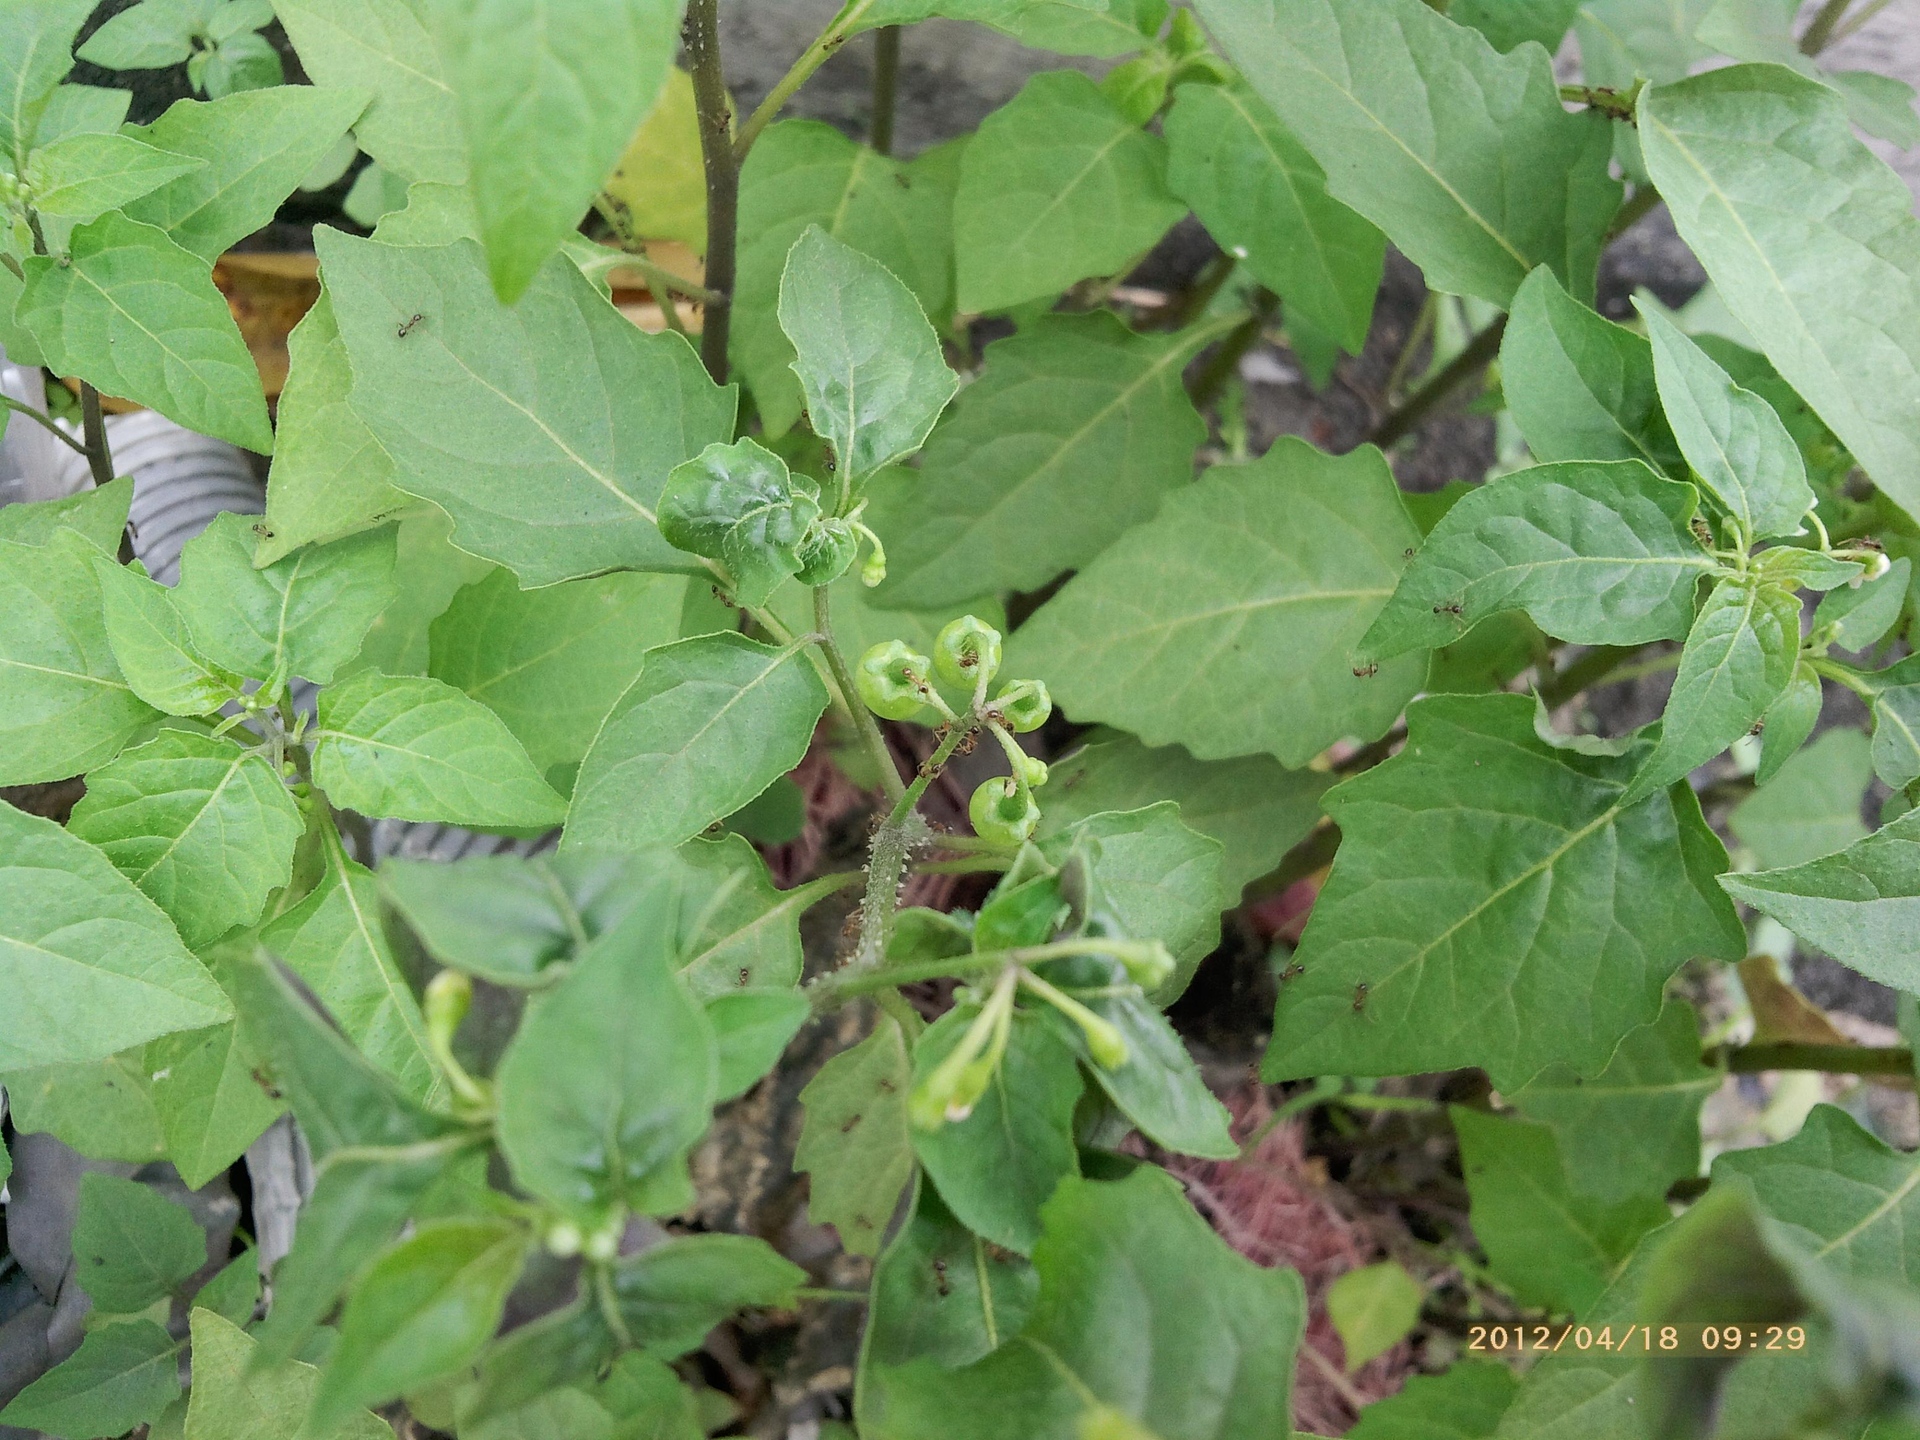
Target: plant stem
x: 47, y: 422
x: 1858, y: 19
x: 1643, y: 199
x: 886, y: 87
x: 1315, y: 852
x: 816, y: 55
x: 715, y: 111
x: 868, y: 727
x: 1795, y: 1055
x: 1589, y: 670
x: 845, y: 983
x: 1222, y: 364
x: 1819, y: 31
x: 1463, y: 367
x: 94, y: 427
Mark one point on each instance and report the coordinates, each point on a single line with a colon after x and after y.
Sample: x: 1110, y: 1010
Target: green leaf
x: 488, y: 411
x: 1863, y: 616
x: 1859, y: 906
x: 1057, y: 185
x: 552, y: 662
x: 333, y: 940
x: 1599, y: 554
x: 153, y: 646
x: 88, y: 965
x: 1261, y: 195
x: 710, y: 723
x: 671, y: 1295
x: 1896, y: 735
x: 1508, y: 24
x: 1580, y: 387
x: 609, y: 1080
x: 234, y: 1290
x: 123, y: 1375
x: 1552, y: 1246
x: 99, y: 513
x: 548, y: 103
x: 802, y: 173
x: 84, y: 176
x: 203, y: 827
x: 1633, y: 1129
x: 1473, y: 898
x: 1254, y: 807
x: 1373, y: 1308
x: 105, y: 1109
x: 559, y: 1348
x: 83, y: 110
x: 410, y: 748
x: 386, y: 48
x: 739, y: 504
x: 854, y: 1142
x: 1465, y: 1402
x: 1075, y: 430
x: 429, y: 572
x: 1074, y: 27
x: 304, y: 615
x: 1739, y: 658
x: 1811, y: 807
x: 1789, y: 721
x: 996, y: 1168
x: 129, y: 310
x: 1463, y: 156
x: 1733, y: 439
x: 1166, y: 634
x: 36, y: 52
x: 1811, y: 241
x: 1143, y: 1310
x: 752, y: 1029
x: 257, y: 145
x: 423, y: 1309
x: 64, y: 705
x: 869, y: 365
x: 660, y: 178
x: 329, y: 476
x: 211, y: 1107
x: 151, y: 35
x: 130, y: 1246
x: 239, y: 1394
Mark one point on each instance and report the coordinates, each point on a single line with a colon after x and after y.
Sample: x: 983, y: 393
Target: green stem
x: 1844, y: 675
x: 94, y: 427
x: 843, y: 984
x: 1589, y: 670
x: 886, y: 88
x: 929, y: 768
x: 864, y: 723
x: 1794, y: 1055
x: 1643, y: 199
x: 714, y: 108
x: 1859, y: 18
x: 47, y: 422
x: 816, y: 55
x: 1819, y: 31
x: 1224, y: 362
x: 1477, y: 355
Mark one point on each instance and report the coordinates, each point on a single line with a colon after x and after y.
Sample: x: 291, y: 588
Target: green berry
x: 964, y: 650
x: 564, y: 1239
x: 1003, y: 813
x: 1026, y: 705
x: 892, y: 679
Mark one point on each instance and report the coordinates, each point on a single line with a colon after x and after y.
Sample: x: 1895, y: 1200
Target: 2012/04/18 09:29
x: 1690, y: 1339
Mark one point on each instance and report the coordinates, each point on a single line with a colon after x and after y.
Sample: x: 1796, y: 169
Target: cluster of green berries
x: 896, y: 682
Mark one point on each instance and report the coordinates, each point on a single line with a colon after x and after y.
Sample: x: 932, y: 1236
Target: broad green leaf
x: 1811, y: 807
x: 203, y: 827
x: 1463, y: 156
x: 36, y: 52
x: 870, y: 14
x: 506, y: 417
x: 211, y: 1107
x: 1057, y: 185
x: 1508, y: 24
x: 1075, y: 27
x: 1762, y: 31
x: 64, y: 705
x: 242, y: 61
x: 548, y: 103
x: 88, y: 965
x: 1863, y: 617
x: 1633, y: 1129
x: 99, y: 513
x: 1372, y: 1309
x: 84, y: 176
x: 551, y: 663
x: 802, y: 173
x: 150, y: 35
x: 333, y: 940
x: 1789, y: 721
x: 1580, y: 387
x: 424, y: 1308
x: 560, y: 1348
x: 258, y: 145
x: 752, y: 1029
x: 671, y: 1295
x: 429, y: 572
x: 83, y: 110
x: 1811, y: 241
x: 610, y: 1078
x: 739, y: 504
x: 1739, y: 658
x: 1076, y: 429
x: 105, y: 1109
x: 122, y: 1376
x: 129, y: 310
x: 1733, y: 439
x: 1254, y: 807
x: 940, y: 1293
x: 1143, y: 1311
x: 1465, y: 1402
x: 1551, y: 1246
x: 153, y: 646
x: 1599, y: 554
x: 855, y: 1143
x: 303, y: 615
x: 1169, y: 633
x: 1470, y: 916
x: 1896, y: 735
x: 410, y: 748
x: 710, y: 723
x: 240, y: 1395
x: 329, y: 476
x: 1859, y: 906
x: 1264, y: 198
x: 660, y: 178
x: 131, y: 1246
x: 869, y: 365
x: 996, y: 1168
x: 385, y: 48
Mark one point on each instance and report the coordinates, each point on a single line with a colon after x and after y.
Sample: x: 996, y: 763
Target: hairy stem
x: 1463, y: 367
x: 847, y: 982
x: 715, y: 110
x: 886, y: 87
x: 868, y: 728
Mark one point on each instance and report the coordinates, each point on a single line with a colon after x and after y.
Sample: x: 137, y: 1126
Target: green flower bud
x: 891, y: 680
x: 1026, y: 705
x: 1104, y: 1041
x: 1148, y: 962
x: 448, y: 997
x: 604, y: 1244
x: 1003, y: 813
x: 564, y: 1239
x: 1035, y: 771
x: 964, y: 650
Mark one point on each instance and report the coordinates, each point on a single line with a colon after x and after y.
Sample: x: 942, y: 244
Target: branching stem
x: 714, y: 107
